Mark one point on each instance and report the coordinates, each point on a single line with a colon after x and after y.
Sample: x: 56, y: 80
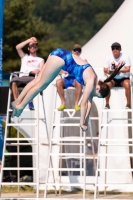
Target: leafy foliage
x: 57, y: 23
x: 19, y: 25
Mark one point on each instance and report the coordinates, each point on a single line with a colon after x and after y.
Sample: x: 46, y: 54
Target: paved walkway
x: 14, y: 196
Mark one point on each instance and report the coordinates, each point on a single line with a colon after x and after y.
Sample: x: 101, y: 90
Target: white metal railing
x: 33, y: 141
x: 65, y: 140
x: 105, y: 142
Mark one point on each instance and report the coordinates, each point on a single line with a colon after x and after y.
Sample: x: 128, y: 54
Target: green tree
x: 55, y: 23
x: 75, y: 21
x: 19, y: 25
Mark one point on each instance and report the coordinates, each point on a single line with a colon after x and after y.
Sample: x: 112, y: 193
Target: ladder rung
x: 73, y: 110
x: 76, y: 144
x: 124, y: 125
x: 68, y: 139
x: 87, y: 157
x: 129, y: 119
x: 65, y: 169
x: 67, y: 124
x: 20, y: 139
x: 120, y: 140
x: 116, y: 144
x: 80, y: 139
x: 116, y: 110
x: 19, y: 168
x: 20, y: 154
x: 33, y: 118
x: 67, y: 154
x: 91, y: 156
x: 128, y: 154
x: 117, y: 170
x: 26, y: 109
x: 16, y: 183
x: 17, y: 144
x: 72, y: 155
x: 115, y: 184
x: 94, y: 138
x: 69, y: 144
x: 72, y: 118
x: 66, y: 110
x: 65, y: 184
x: 77, y: 118
x: 19, y: 124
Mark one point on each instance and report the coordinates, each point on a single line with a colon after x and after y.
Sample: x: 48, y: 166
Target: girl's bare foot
x: 13, y: 104
x: 19, y: 111
x: 14, y: 112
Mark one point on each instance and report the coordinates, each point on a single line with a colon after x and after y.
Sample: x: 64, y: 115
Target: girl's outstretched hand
x: 83, y: 127
x: 115, y: 72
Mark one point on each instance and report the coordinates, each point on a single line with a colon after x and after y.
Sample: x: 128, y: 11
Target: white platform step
x: 117, y: 170
x: 65, y: 169
x: 19, y: 168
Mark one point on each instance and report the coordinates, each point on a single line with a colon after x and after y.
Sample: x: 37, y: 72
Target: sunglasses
x: 33, y: 46
x: 77, y: 50
x: 117, y: 48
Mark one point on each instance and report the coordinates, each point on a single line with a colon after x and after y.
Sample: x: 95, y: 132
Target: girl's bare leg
x: 26, y: 89
x: 51, y: 70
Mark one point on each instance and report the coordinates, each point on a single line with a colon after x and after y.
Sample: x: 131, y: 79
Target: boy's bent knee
x: 59, y: 82
x: 14, y: 84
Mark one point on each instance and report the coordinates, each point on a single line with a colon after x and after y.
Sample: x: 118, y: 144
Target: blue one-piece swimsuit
x: 70, y: 65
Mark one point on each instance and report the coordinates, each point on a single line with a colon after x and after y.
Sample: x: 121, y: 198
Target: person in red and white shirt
x: 30, y: 66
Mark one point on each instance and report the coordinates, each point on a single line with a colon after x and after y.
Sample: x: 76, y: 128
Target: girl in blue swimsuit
x: 70, y: 65
x: 83, y: 73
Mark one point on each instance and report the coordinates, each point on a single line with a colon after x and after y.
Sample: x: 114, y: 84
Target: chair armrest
x: 15, y: 74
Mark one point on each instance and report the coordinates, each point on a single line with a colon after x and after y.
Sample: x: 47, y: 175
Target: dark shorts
x: 119, y: 81
x: 69, y: 81
x: 22, y: 81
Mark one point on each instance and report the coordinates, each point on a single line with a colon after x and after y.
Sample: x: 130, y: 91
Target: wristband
x: 30, y: 73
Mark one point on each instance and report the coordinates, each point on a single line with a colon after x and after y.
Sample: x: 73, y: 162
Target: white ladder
x: 60, y: 141
x: 106, y: 142
x: 33, y: 141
